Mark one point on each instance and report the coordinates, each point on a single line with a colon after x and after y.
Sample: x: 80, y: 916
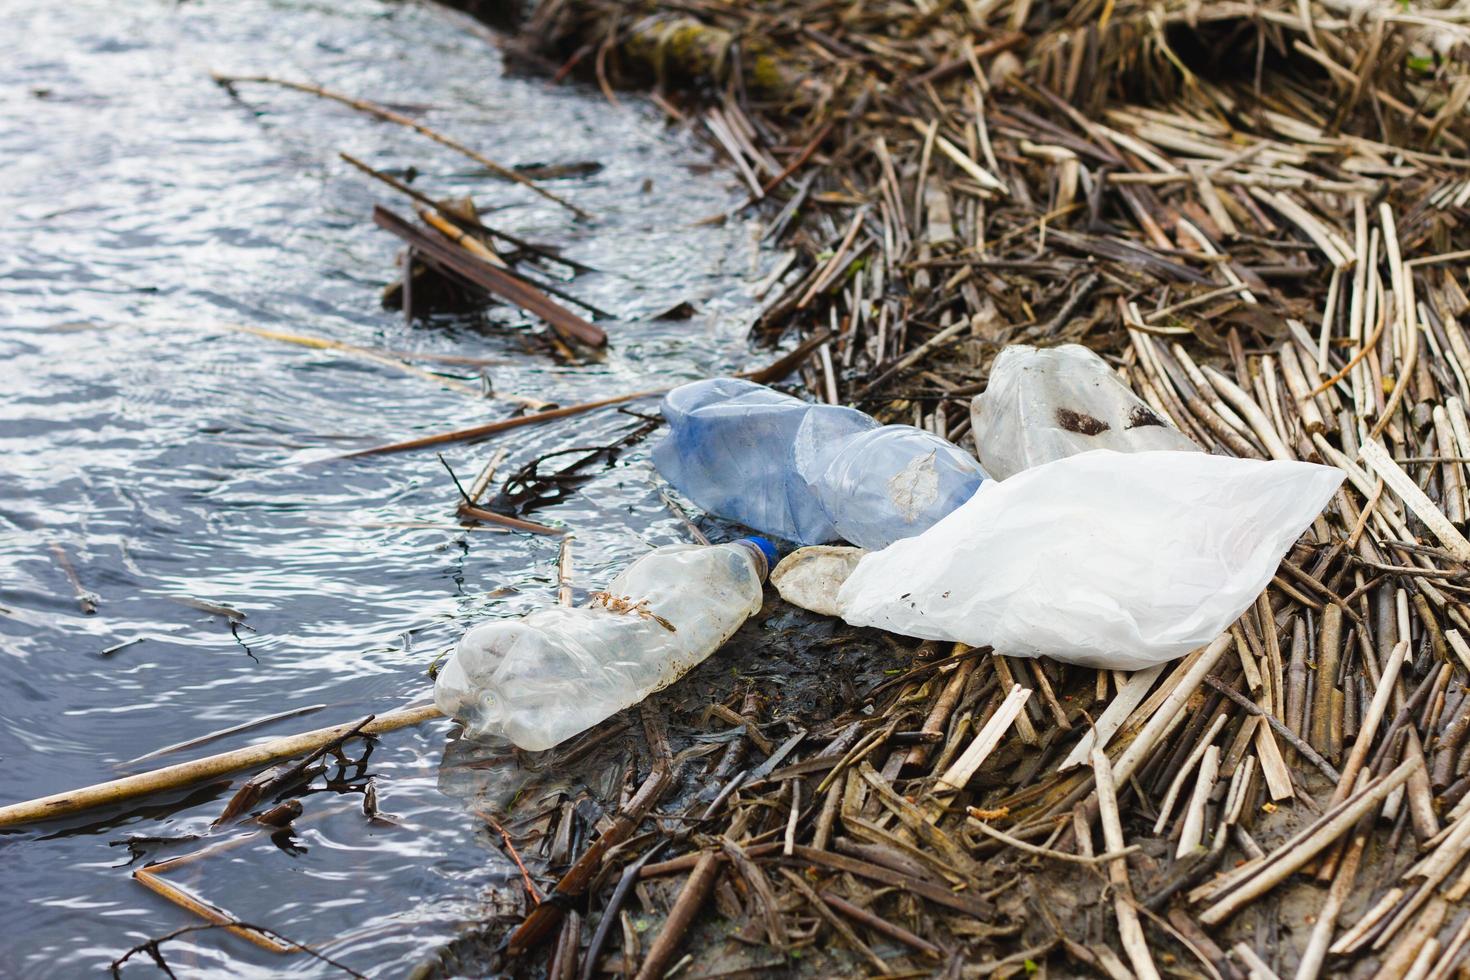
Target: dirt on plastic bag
x: 1105, y: 559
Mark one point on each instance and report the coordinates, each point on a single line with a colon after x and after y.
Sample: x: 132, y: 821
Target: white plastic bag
x: 1105, y: 559
x: 1044, y: 404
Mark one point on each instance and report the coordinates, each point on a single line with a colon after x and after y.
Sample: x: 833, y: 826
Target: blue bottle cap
x: 767, y: 549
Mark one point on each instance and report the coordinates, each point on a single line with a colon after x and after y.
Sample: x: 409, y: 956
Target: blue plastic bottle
x: 808, y: 473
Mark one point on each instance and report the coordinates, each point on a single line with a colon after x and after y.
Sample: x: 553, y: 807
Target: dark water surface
x: 160, y: 454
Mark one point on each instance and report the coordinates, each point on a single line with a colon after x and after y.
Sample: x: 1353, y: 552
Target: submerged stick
x: 188, y: 773
x: 564, y: 572
x: 87, y: 600
x: 398, y: 119
x: 503, y: 425
x: 326, y: 343
x: 464, y: 220
x: 232, y: 730
x: 476, y: 270
x: 210, y: 913
x: 367, y: 353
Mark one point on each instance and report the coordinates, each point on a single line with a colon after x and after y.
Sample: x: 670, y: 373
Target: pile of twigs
x: 1256, y: 212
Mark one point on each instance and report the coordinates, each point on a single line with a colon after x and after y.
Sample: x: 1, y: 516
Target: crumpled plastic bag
x: 810, y: 577
x: 1046, y: 404
x: 1104, y: 559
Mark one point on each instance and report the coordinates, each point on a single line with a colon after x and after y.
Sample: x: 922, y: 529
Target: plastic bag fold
x: 1104, y: 559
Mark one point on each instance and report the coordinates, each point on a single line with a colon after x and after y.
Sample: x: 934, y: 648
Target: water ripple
x: 158, y: 455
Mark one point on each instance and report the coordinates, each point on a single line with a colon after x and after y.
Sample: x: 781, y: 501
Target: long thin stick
x: 1045, y: 852
x: 397, y: 118
x: 222, y: 733
x: 691, y: 898
x: 462, y: 219
x: 1164, y: 717
x: 510, y: 846
x: 503, y: 425
x: 474, y: 269
x: 772, y: 372
x: 1368, y: 727
x: 1130, y: 930
x: 206, y: 911
x: 610, y: 911
x: 1286, y: 860
x: 1321, y: 935
x: 189, y: 773
x: 957, y: 775
x: 515, y: 523
x: 546, y: 916
x: 367, y: 353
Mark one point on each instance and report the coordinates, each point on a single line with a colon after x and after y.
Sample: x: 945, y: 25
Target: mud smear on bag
x: 1080, y: 422
x: 1142, y: 416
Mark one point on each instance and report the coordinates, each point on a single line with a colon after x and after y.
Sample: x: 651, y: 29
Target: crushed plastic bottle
x: 808, y: 473
x: 545, y: 677
x: 1105, y: 559
x: 1041, y: 405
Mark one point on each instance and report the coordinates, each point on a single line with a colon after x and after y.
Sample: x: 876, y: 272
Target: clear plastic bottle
x: 1046, y: 404
x: 545, y: 677
x: 808, y: 473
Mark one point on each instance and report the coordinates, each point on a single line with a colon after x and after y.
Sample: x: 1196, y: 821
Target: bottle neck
x: 757, y: 557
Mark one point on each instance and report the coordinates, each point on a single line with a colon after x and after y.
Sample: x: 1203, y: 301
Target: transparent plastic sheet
x: 1104, y: 559
x: 1045, y: 404
x: 808, y: 473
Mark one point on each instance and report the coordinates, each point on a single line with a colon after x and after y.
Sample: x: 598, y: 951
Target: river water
x: 160, y: 460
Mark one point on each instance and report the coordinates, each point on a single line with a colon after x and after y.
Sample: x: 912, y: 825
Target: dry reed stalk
x: 1272, y: 871
x: 188, y: 773
x: 1129, y: 928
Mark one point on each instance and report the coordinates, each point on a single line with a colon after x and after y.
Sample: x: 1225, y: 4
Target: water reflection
x: 157, y: 451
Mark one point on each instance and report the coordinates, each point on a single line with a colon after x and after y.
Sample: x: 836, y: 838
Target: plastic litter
x: 810, y: 577
x: 1041, y: 405
x: 543, y: 678
x: 809, y: 473
x: 1104, y: 559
